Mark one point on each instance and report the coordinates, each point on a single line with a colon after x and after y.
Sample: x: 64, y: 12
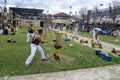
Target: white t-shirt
x: 98, y: 29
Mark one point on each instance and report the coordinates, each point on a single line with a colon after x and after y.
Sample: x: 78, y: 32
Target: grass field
x: 13, y: 56
x: 105, y: 38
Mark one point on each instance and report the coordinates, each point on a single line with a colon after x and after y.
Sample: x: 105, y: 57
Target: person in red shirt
x: 35, y: 46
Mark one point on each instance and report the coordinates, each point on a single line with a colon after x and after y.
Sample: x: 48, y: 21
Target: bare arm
x: 38, y: 37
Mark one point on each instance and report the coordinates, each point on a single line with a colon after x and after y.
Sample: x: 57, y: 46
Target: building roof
x: 16, y: 9
x: 75, y: 18
x: 62, y: 14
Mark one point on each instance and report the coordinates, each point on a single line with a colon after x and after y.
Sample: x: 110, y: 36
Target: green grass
x: 13, y: 56
x: 105, y: 38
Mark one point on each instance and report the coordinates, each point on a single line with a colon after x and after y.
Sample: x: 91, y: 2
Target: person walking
x: 30, y: 32
x: 35, y: 46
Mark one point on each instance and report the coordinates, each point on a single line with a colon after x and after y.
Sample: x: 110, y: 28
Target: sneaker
x: 44, y: 59
x: 26, y: 65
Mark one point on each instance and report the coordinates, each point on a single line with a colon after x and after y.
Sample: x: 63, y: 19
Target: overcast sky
x: 56, y: 6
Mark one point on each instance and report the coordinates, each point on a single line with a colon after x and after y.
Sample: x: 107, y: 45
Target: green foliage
x: 13, y: 56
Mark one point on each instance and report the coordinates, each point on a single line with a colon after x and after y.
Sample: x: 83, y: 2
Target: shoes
x: 26, y: 65
x: 44, y: 59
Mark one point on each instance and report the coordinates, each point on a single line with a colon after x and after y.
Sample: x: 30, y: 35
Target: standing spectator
x: 115, y: 33
x: 64, y: 28
x: 76, y: 29
x: 83, y: 27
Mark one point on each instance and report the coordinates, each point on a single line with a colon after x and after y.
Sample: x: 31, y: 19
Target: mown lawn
x: 13, y: 56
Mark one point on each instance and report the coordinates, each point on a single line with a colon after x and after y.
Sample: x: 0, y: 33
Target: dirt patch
x: 106, y: 47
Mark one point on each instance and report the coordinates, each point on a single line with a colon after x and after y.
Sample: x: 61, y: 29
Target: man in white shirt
x: 96, y: 32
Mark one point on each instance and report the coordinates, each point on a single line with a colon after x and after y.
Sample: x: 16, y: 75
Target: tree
x: 115, y: 11
x: 83, y: 12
